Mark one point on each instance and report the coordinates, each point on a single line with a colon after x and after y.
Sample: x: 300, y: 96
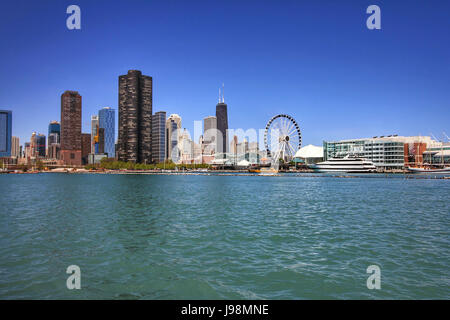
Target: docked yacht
x: 445, y: 170
x: 348, y: 164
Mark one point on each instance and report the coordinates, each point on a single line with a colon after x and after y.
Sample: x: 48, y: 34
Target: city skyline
x: 370, y: 83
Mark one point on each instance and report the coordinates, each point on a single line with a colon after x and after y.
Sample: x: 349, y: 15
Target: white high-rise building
x: 209, y: 135
x: 186, y: 147
x: 173, y: 136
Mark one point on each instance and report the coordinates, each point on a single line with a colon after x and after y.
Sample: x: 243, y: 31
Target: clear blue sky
x: 314, y: 60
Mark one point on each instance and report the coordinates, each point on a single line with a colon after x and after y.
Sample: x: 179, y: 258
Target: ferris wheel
x: 282, y: 138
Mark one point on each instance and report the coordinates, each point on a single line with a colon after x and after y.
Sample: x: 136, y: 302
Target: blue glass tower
x: 54, y: 127
x: 5, y: 133
x: 106, y: 120
x: 40, y: 145
x: 54, y: 132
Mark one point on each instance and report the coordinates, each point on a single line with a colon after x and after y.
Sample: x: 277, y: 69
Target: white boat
x: 348, y: 164
x: 445, y: 170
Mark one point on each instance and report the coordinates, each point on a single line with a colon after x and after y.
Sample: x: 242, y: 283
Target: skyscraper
x: 186, y: 147
x: 5, y: 133
x: 209, y: 135
x: 54, y: 131
x: 33, y: 146
x: 172, y: 140
x: 94, y: 129
x: 53, y: 150
x: 40, y: 145
x: 53, y: 139
x: 85, y: 146
x: 173, y: 133
x: 71, y: 128
x: 15, y: 147
x: 222, y: 124
x: 135, y: 117
x: 100, y: 148
x: 27, y: 151
x: 159, y: 136
x: 106, y: 120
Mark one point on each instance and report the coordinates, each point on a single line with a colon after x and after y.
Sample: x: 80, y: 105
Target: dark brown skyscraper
x: 85, y: 146
x: 222, y: 124
x: 71, y: 128
x: 135, y: 117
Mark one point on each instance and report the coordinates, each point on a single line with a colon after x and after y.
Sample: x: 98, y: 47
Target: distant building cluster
x: 143, y: 137
x: 391, y: 152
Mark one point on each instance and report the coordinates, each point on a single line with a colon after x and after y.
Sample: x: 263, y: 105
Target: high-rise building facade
x: 100, y: 148
x: 33, y: 146
x: 5, y: 133
x: 53, y: 139
x: 172, y: 150
x: 40, y: 145
x: 53, y: 151
x: 186, y: 148
x: 209, y: 135
x: 54, y: 131
x: 70, y: 151
x: 94, y: 131
x: 173, y: 134
x: 159, y: 136
x: 135, y: 117
x: 85, y: 147
x: 106, y: 120
x: 27, y: 150
x: 222, y: 126
x: 15, y: 147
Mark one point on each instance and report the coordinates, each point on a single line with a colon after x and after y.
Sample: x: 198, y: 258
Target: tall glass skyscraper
x: 5, y: 133
x: 54, y: 127
x: 40, y: 145
x: 54, y: 131
x: 222, y: 126
x: 159, y: 136
x: 106, y: 120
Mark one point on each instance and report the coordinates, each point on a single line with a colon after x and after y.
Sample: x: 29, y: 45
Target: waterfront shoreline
x: 245, y: 173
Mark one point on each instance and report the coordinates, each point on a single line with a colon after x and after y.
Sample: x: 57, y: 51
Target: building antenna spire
x: 223, y: 91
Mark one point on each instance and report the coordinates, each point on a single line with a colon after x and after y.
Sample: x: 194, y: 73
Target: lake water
x: 223, y: 237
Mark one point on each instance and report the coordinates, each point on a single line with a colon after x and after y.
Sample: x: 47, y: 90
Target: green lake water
x: 223, y: 237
